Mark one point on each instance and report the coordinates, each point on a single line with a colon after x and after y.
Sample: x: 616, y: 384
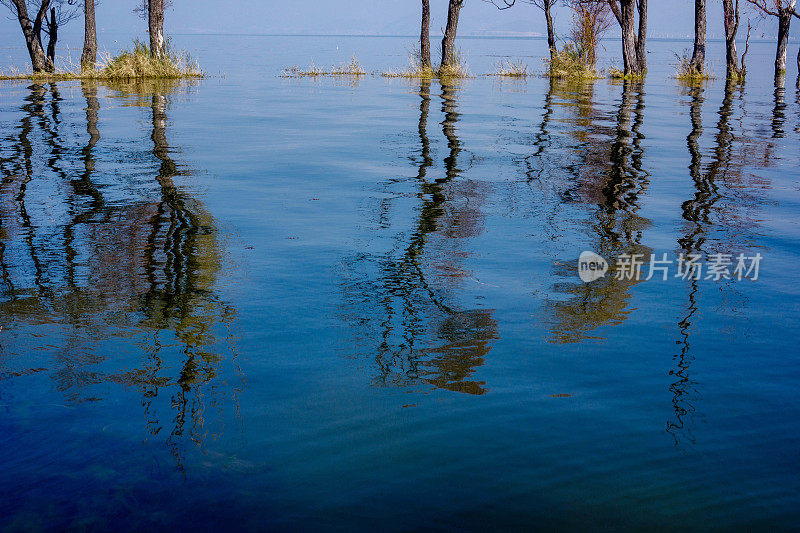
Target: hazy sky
x: 668, y: 18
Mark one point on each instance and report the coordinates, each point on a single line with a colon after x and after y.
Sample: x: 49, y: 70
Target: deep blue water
x: 268, y: 303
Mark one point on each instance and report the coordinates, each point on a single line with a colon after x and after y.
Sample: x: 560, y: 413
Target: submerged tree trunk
x: 784, y: 21
x: 89, y: 55
x: 551, y: 34
x: 155, y: 19
x: 641, y: 39
x: 449, y: 39
x: 425, y: 36
x: 32, y: 34
x: 731, y: 20
x: 627, y: 19
x: 52, y: 31
x: 699, y: 54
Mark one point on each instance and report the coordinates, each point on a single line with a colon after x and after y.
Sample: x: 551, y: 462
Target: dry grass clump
x: 569, y: 63
x: 353, y: 68
x: 135, y: 63
x: 685, y: 71
x: 411, y: 71
x: 512, y: 68
x: 415, y: 68
x: 456, y: 69
x: 618, y: 74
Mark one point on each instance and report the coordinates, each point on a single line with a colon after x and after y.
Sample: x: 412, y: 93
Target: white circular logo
x: 591, y: 266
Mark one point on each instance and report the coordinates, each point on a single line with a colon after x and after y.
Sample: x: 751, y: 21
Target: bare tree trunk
x: 784, y: 21
x: 155, y: 19
x: 617, y: 11
x: 425, y: 35
x: 89, y: 55
x: 449, y: 39
x: 614, y: 5
x: 551, y: 34
x: 699, y: 55
x: 37, y: 32
x: 628, y: 36
x: 52, y: 30
x: 32, y: 38
x: 731, y: 19
x: 641, y: 39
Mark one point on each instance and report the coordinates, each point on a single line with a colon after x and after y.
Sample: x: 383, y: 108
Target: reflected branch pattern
x: 404, y: 297
x: 612, y: 179
x: 715, y: 221
x: 115, y: 261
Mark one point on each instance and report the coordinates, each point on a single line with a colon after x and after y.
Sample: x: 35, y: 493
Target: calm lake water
x: 290, y: 304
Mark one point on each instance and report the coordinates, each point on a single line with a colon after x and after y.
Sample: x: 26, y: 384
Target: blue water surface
x: 278, y: 303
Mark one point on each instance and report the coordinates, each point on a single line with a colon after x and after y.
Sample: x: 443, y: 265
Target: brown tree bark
x: 699, y: 54
x: 89, y: 55
x: 731, y: 20
x: 784, y: 21
x: 627, y: 14
x: 615, y: 9
x: 425, y: 36
x: 37, y: 30
x: 449, y: 39
x: 52, y: 33
x: 32, y: 33
x: 155, y: 20
x: 551, y: 34
x: 641, y: 39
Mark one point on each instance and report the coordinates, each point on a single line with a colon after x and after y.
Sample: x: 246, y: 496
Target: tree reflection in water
x: 716, y: 221
x: 113, y: 260
x: 404, y: 297
x: 779, y: 112
x: 611, y: 179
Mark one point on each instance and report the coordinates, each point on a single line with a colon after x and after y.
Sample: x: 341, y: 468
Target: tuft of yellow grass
x: 512, y: 68
x: 617, y: 74
x: 351, y: 69
x: 412, y: 71
x: 686, y: 73
x: 455, y: 70
x: 137, y: 63
x: 415, y: 69
x: 570, y: 64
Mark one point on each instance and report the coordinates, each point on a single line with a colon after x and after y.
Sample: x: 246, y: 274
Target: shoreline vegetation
x: 353, y: 68
x: 564, y: 65
x: 567, y: 64
x: 134, y: 63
